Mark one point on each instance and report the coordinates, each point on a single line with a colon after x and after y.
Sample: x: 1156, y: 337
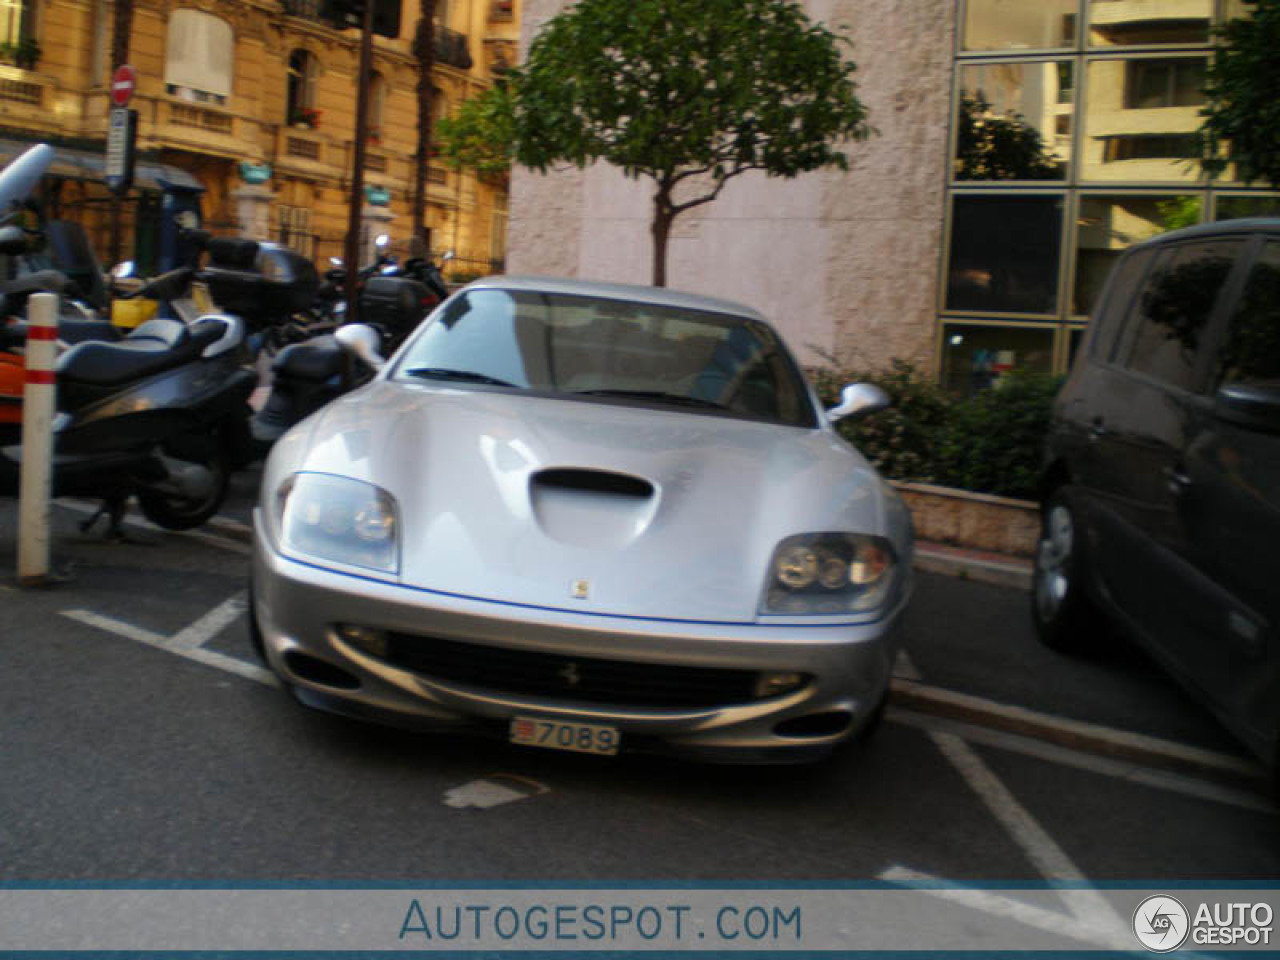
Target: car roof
x: 658, y: 296
x: 1219, y: 228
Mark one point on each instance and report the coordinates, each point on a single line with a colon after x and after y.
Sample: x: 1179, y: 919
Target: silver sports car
x: 586, y: 517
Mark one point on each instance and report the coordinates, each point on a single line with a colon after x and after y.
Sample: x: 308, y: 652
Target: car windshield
x: 611, y: 350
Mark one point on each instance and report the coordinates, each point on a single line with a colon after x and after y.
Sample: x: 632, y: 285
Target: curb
x: 1078, y: 735
x: 993, y: 568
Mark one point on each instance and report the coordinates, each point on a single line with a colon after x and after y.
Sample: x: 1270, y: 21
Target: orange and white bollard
x: 39, y: 402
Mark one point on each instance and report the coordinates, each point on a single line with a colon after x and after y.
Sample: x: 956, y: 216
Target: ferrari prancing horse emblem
x: 579, y: 589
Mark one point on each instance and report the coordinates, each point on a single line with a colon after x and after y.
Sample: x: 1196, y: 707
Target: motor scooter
x: 156, y: 414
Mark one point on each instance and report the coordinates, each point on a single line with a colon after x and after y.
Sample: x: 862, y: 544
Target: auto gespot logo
x: 1162, y: 924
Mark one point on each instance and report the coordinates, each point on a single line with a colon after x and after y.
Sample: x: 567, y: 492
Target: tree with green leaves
x: 1241, y: 114
x: 688, y: 93
x: 480, y: 135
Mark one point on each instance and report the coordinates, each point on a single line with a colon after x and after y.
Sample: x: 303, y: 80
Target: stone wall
x: 845, y: 263
x: 977, y: 521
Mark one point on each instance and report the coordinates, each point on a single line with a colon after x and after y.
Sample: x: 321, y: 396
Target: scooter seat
x: 137, y: 356
x: 314, y: 361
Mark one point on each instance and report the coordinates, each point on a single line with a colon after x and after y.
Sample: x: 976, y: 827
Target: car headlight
x: 336, y: 518
x: 829, y: 573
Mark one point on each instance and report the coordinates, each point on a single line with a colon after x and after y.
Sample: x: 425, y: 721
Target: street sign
x: 122, y: 135
x: 123, y: 82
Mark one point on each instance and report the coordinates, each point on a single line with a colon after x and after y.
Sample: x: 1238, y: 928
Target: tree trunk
x: 663, y: 215
x: 424, y: 47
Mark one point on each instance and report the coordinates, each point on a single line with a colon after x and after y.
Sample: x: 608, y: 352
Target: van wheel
x: 1064, y: 615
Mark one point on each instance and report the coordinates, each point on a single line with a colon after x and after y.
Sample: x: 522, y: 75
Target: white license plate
x: 559, y: 735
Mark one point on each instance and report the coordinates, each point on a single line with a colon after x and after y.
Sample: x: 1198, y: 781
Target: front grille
x: 533, y: 673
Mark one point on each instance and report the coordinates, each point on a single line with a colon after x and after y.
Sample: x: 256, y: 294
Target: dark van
x: 1161, y: 498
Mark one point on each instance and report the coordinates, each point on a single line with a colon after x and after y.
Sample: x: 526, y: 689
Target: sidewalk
x: 999, y: 569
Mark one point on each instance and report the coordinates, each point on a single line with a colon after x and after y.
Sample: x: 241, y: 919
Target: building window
x: 1019, y: 25
x: 1124, y: 23
x: 301, y: 94
x: 1153, y: 84
x: 1012, y: 121
x: 17, y: 21
x: 199, y: 57
x: 1004, y: 255
x: 1107, y: 225
x: 293, y: 229
x: 1069, y: 146
x: 978, y: 357
x: 377, y: 107
x: 1141, y: 115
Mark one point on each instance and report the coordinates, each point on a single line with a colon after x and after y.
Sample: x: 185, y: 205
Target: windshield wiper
x: 676, y: 399
x: 462, y: 376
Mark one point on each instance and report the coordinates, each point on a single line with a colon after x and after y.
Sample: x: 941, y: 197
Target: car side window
x: 1113, y: 308
x: 1174, y: 308
x: 1251, y: 353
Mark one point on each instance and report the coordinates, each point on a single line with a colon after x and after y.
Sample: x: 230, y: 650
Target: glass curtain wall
x: 1072, y: 137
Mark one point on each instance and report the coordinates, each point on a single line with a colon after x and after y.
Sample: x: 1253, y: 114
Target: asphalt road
x: 139, y: 741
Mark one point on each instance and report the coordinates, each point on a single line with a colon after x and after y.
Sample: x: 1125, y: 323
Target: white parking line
x: 1126, y: 770
x: 212, y: 623
x: 1069, y: 733
x: 993, y: 904
x: 180, y: 643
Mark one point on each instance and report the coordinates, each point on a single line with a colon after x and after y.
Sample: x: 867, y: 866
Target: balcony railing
x: 451, y: 48
x: 200, y: 119
x: 310, y: 9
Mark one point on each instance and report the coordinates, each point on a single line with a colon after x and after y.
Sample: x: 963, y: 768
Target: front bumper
x: 296, y: 607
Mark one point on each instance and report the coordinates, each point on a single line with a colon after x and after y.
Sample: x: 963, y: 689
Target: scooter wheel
x: 181, y: 513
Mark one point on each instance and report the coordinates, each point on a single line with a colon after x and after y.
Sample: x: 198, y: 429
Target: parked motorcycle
x: 158, y: 413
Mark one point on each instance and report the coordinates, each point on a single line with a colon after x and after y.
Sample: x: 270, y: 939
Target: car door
x: 1154, y: 408
x: 1230, y: 512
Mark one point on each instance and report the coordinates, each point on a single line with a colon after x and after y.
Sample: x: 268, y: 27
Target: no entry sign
x: 123, y: 82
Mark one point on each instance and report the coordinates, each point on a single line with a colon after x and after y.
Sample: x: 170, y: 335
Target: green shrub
x: 992, y: 441
x: 987, y: 443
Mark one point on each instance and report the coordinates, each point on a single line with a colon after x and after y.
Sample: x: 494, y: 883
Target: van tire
x: 1064, y: 614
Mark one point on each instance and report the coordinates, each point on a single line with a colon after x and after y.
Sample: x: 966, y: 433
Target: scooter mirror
x: 448, y: 255
x: 382, y: 241
x: 123, y: 269
x: 363, y: 342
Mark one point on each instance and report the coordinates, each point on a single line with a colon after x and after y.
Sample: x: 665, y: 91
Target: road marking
x: 1076, y: 734
x: 493, y: 791
x: 1088, y: 906
x: 212, y: 623
x: 118, y: 627
x: 993, y: 904
x: 1126, y: 770
x: 180, y: 643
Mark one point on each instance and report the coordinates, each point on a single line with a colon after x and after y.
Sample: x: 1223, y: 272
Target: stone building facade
x: 935, y: 247
x: 254, y: 102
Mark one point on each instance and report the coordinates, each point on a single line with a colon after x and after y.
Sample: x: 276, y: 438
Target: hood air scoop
x: 592, y: 508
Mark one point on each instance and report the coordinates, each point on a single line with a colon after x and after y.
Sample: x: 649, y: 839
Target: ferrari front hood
x: 589, y: 506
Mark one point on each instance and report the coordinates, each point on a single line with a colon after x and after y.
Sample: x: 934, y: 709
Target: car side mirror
x: 363, y: 342
x: 859, y: 400
x: 1252, y: 406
